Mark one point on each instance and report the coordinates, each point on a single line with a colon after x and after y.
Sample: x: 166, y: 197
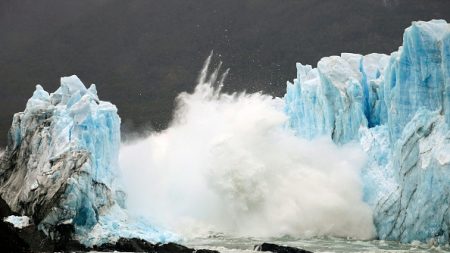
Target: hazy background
x: 142, y: 53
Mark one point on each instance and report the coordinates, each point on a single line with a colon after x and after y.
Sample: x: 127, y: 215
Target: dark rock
x: 5, y: 211
x: 36, y: 240
x: 279, y: 249
x: 127, y: 245
x: 63, y: 239
x: 173, y: 248
x: 139, y: 245
x: 206, y: 251
x: 10, y: 241
x: 30, y: 239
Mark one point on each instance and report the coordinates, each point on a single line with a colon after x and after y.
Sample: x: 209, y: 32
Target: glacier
x: 398, y: 108
x: 61, y: 167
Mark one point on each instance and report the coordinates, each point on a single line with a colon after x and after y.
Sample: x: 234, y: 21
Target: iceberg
x: 398, y: 108
x: 61, y: 167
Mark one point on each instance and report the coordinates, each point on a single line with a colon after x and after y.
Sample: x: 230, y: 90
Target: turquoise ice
x: 398, y: 108
x: 61, y: 167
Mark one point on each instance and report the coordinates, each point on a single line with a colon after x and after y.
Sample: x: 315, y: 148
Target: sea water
x: 225, y: 244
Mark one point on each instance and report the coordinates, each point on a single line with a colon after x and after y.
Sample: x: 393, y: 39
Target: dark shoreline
x: 30, y: 239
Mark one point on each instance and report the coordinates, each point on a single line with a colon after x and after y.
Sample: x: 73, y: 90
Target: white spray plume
x: 227, y: 164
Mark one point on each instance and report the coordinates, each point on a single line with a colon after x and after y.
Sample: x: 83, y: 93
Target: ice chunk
x: 18, y: 221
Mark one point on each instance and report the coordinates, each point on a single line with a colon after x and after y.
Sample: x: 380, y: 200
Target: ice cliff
x: 398, y: 108
x: 60, y: 166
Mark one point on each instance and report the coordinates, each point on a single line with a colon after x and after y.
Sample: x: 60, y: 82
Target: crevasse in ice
x: 60, y: 166
x: 398, y: 108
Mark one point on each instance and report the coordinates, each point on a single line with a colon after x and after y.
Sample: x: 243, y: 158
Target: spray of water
x: 226, y: 164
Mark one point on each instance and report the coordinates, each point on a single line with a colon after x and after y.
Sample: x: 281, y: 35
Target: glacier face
x: 397, y: 107
x: 60, y: 166
x: 336, y: 98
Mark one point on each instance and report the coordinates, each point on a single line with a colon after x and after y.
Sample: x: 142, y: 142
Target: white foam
x: 227, y: 164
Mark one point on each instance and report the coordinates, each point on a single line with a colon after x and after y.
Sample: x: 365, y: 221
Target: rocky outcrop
x: 275, y: 248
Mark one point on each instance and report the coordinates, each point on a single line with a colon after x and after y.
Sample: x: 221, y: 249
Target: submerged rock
x: 278, y: 249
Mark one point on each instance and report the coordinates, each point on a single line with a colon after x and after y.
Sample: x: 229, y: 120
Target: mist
x: 227, y: 164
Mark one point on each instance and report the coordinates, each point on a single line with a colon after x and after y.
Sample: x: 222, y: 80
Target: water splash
x: 227, y: 164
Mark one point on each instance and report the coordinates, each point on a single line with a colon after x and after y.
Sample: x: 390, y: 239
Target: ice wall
x: 336, y: 98
x: 416, y: 88
x: 418, y: 75
x: 60, y: 166
x: 397, y: 107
